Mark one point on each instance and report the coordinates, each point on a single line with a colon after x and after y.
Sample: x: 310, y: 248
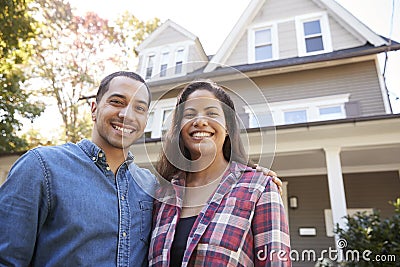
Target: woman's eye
x: 213, y: 114
x: 140, y: 108
x: 188, y: 115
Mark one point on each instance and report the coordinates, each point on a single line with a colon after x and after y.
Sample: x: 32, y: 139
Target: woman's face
x: 203, y: 126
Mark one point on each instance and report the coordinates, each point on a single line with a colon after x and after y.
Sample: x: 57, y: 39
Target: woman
x: 224, y: 213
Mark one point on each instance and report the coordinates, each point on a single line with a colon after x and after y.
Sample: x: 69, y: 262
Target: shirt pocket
x: 231, y: 224
x: 146, y: 210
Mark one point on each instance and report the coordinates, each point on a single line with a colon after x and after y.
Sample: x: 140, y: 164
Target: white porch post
x: 336, y: 190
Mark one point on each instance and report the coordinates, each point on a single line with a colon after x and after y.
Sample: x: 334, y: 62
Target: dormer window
x: 313, y: 34
x: 164, y: 64
x: 149, y: 66
x: 263, y: 44
x: 179, y: 61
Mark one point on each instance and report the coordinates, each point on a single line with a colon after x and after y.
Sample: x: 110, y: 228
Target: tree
x: 370, y: 233
x: 16, y: 31
x: 72, y: 54
x: 130, y: 32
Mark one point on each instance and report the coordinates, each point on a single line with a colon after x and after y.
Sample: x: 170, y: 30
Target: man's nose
x: 126, y: 113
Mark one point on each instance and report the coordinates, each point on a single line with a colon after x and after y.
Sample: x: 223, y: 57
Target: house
x: 313, y: 104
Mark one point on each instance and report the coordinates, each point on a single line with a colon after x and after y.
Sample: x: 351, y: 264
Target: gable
x: 284, y: 20
x: 168, y: 36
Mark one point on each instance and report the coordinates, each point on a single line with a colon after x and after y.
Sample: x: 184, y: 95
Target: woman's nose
x: 200, y: 121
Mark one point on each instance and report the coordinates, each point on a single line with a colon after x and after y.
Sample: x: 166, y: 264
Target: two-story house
x: 313, y: 104
x: 314, y: 107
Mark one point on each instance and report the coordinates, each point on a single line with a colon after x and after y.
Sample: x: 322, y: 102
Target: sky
x: 212, y: 21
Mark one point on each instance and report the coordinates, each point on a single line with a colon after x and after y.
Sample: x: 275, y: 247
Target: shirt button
x: 124, y: 234
x: 123, y: 198
x: 94, y: 158
x: 100, y: 155
x: 108, y: 168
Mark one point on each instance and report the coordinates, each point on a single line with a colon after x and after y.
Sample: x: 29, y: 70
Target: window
x: 149, y: 66
x: 313, y: 34
x: 147, y: 131
x: 295, y: 116
x: 164, y: 64
x: 166, y: 120
x: 263, y: 44
x: 160, y: 117
x: 301, y: 110
x: 178, y: 61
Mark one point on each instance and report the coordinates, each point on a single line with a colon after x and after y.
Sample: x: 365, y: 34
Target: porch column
x: 336, y: 190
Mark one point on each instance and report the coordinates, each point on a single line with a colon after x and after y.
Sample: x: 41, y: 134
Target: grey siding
x: 372, y: 190
x: 168, y: 36
x: 284, y: 12
x: 358, y: 79
x: 313, y: 198
x: 287, y: 40
x: 363, y: 190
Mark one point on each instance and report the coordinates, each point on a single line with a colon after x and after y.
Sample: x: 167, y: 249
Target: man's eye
x: 188, y: 115
x: 116, y: 102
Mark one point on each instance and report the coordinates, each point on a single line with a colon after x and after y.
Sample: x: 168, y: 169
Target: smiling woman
x: 223, y: 212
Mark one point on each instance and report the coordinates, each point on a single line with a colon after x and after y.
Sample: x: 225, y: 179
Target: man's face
x: 121, y: 115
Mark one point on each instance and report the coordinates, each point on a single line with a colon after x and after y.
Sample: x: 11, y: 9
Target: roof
x: 364, y: 50
x: 168, y: 23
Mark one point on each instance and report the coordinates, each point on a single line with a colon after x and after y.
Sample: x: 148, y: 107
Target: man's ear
x: 93, y: 108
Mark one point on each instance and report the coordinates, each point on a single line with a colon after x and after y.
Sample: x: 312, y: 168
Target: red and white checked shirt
x: 243, y: 224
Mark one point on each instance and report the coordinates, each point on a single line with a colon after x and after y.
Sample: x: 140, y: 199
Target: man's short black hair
x: 105, y: 83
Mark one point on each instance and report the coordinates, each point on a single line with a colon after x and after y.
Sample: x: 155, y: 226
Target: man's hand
x: 275, y: 179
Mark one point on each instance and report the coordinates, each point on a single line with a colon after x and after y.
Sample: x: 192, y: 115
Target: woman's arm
x: 271, y: 230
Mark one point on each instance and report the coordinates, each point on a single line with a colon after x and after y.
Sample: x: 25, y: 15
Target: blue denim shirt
x: 63, y: 206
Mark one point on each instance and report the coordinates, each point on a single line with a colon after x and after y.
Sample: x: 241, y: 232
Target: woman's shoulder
x: 247, y: 174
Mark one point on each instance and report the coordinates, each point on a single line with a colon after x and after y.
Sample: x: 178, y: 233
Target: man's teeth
x: 124, y: 130
x: 201, y: 134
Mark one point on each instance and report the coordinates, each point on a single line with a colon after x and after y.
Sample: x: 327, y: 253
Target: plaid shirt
x: 243, y: 224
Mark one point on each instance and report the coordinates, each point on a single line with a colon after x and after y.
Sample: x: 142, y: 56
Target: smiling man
x: 79, y: 204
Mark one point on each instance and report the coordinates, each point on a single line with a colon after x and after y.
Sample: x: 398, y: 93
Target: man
x: 79, y: 204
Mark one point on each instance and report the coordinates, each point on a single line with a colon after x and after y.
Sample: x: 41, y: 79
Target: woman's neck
x: 214, y: 171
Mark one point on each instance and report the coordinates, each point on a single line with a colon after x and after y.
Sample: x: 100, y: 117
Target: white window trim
x: 163, y: 52
x: 184, y: 60
x: 158, y: 108
x: 325, y: 31
x: 311, y: 105
x: 146, y: 64
x: 251, y: 42
x: 157, y: 53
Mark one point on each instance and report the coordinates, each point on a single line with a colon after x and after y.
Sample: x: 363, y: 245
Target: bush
x: 380, y: 237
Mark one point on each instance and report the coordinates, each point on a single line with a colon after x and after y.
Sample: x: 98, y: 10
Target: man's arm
x: 23, y: 204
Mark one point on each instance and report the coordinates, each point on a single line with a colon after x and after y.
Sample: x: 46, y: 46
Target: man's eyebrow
x: 117, y: 95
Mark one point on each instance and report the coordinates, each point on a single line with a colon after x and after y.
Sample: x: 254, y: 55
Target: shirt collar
x: 95, y: 153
